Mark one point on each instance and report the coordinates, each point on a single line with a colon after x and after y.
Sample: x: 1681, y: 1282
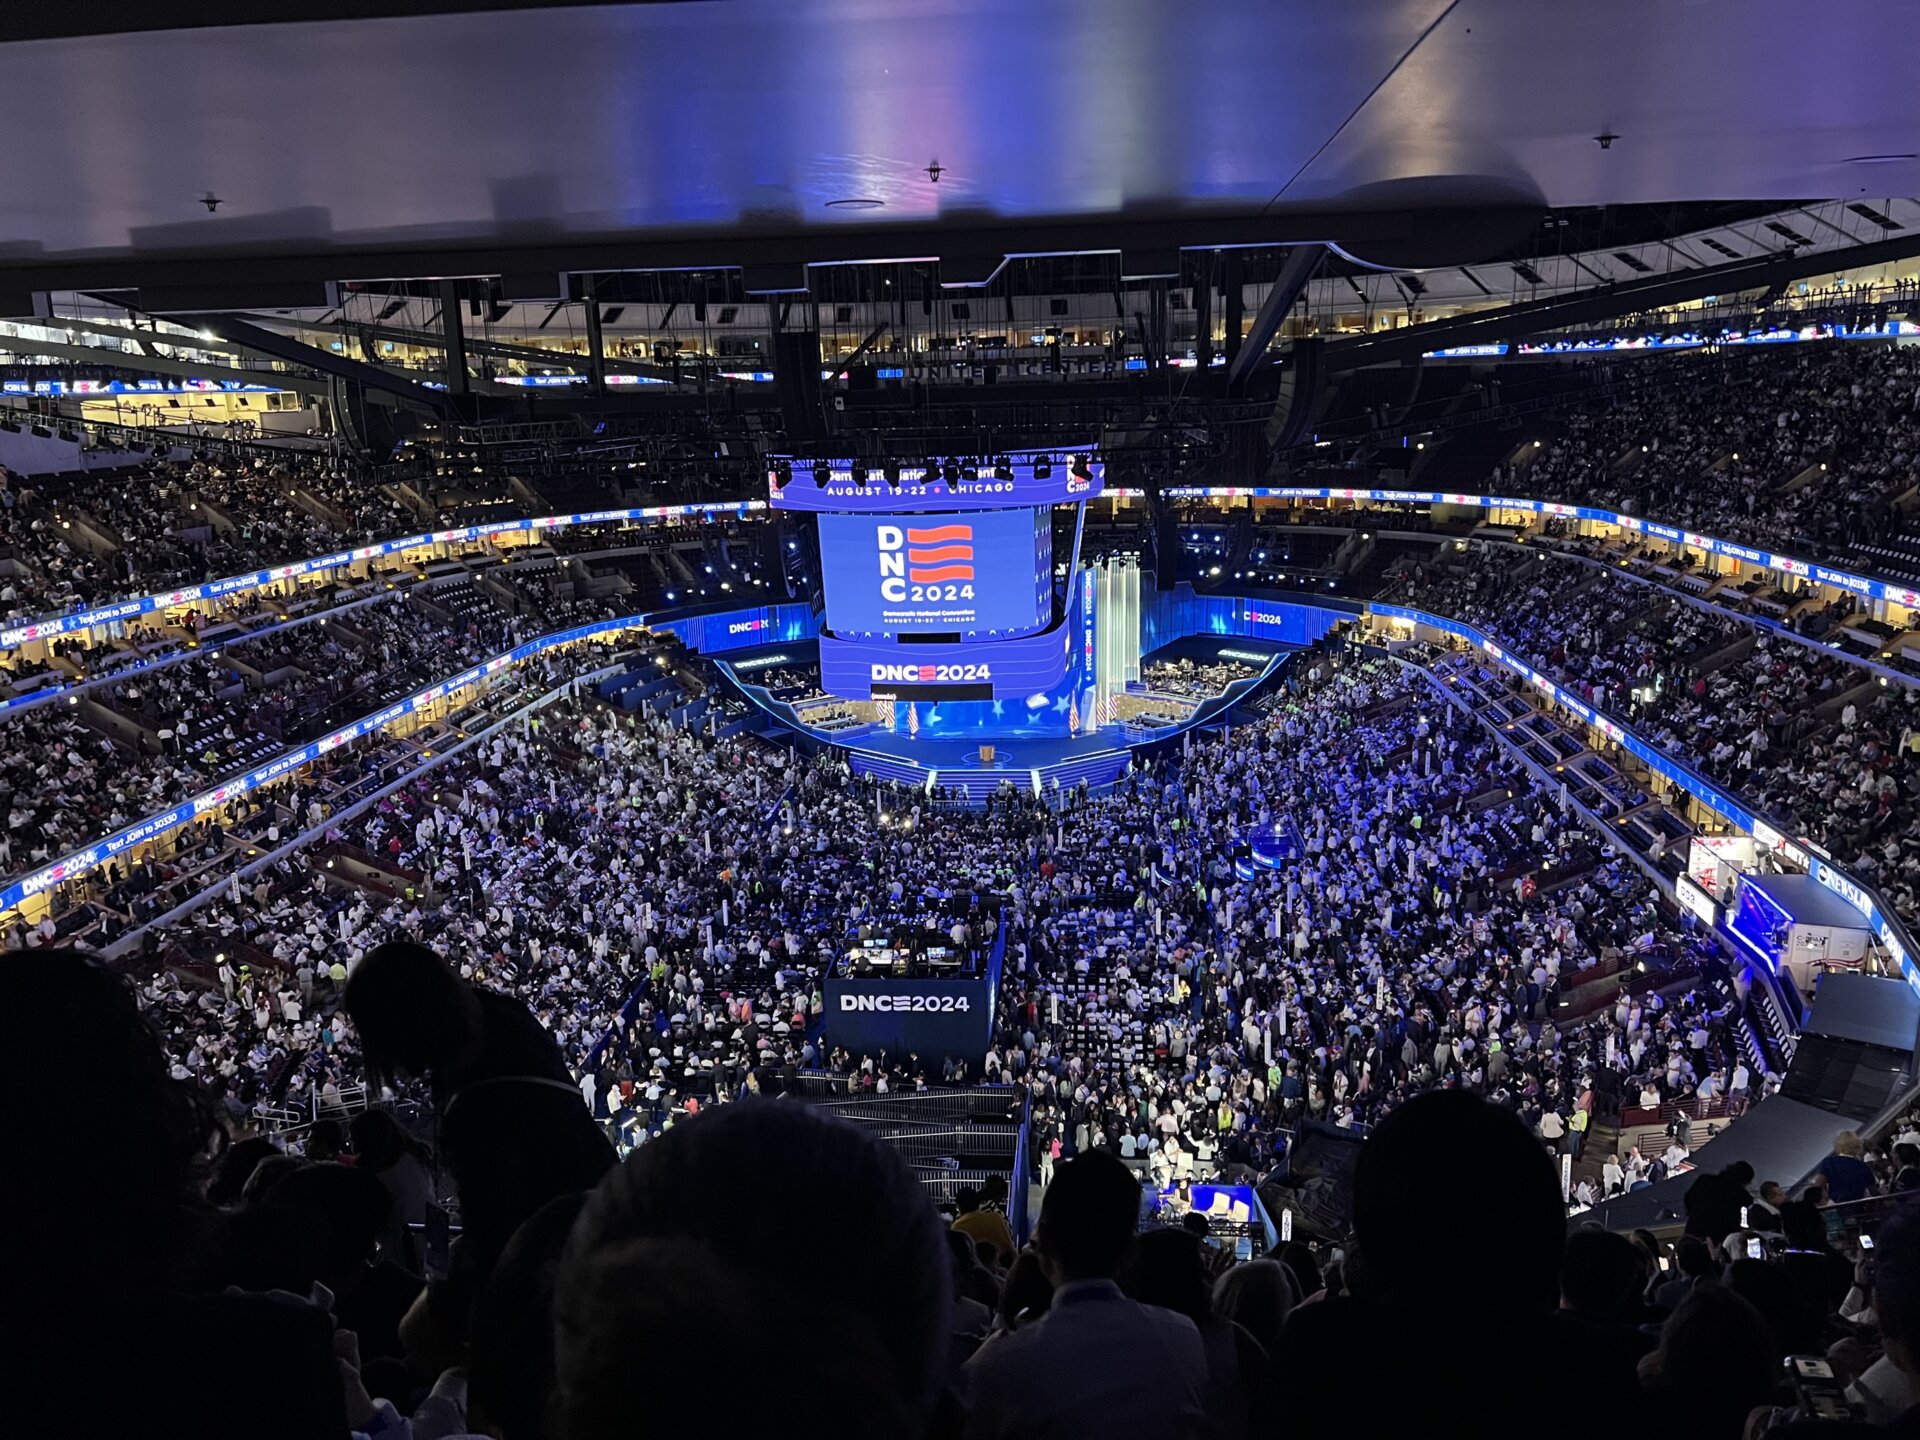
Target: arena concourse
x: 1274, y: 787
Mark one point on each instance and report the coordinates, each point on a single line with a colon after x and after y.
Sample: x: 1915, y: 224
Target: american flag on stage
x: 913, y: 718
x: 1073, y: 716
x: 891, y: 718
x: 938, y: 554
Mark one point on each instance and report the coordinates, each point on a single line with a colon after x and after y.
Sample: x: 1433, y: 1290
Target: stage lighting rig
x: 1080, y: 470
x: 821, y: 474
x: 950, y: 473
x: 1043, y: 467
x: 969, y: 472
x: 782, y: 475
x: 1004, y: 471
x: 859, y: 475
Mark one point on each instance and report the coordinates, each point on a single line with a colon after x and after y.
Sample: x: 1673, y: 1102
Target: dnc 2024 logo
x: 925, y: 562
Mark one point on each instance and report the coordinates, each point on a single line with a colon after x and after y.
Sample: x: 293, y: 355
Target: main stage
x: 1033, y: 749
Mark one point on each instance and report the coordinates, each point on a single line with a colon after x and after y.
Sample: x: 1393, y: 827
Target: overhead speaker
x: 1302, y: 389
x: 1166, y: 548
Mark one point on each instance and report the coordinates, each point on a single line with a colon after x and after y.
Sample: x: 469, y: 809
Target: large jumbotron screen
x: 984, y: 574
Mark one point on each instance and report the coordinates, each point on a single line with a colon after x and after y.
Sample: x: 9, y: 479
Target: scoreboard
x: 988, y: 573
x: 938, y: 578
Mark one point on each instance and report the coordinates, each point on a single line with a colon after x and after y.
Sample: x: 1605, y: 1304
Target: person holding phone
x: 513, y: 1133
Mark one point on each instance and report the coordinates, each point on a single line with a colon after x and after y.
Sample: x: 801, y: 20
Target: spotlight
x: 1003, y: 471
x: 969, y: 472
x: 951, y: 474
x: 1080, y: 470
x: 42, y: 432
x: 1043, y: 467
x: 891, y: 473
x: 859, y: 475
x: 782, y: 475
x: 821, y: 474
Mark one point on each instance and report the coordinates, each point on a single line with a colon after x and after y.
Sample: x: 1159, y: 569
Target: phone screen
x: 1755, y: 1250
x: 1866, y: 1242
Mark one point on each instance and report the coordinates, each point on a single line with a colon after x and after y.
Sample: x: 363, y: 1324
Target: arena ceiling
x: 380, y: 137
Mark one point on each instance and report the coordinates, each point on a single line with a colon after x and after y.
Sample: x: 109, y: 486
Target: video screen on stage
x: 985, y: 574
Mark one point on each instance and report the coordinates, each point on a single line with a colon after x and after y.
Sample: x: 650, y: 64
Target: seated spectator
x: 109, y: 1248
x: 1258, y: 1296
x: 1694, y: 1264
x: 1433, y: 1293
x: 1166, y: 1269
x: 1137, y: 1369
x: 1715, y: 1363
x: 697, y: 1269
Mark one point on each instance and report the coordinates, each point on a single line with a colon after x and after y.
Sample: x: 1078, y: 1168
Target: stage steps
x: 1101, y: 768
x: 979, y: 786
x: 885, y: 767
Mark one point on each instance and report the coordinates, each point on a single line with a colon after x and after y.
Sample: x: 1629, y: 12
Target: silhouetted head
x: 510, y: 1336
x: 378, y: 1140
x: 345, y: 1206
x: 1715, y: 1364
x: 103, y: 1146
x: 1258, y: 1296
x: 1089, y: 1217
x: 1440, y: 1175
x: 801, y: 1240
x: 1600, y: 1274
x: 412, y: 1011
x: 1165, y: 1268
x: 1896, y: 1288
x: 1694, y: 1256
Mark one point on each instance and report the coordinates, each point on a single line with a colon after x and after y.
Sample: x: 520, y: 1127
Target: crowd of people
x: 239, y: 1287
x: 1806, y: 735
x: 66, y: 780
x: 583, y: 954
x: 1715, y: 442
x: 1160, y: 1002
x: 179, y: 523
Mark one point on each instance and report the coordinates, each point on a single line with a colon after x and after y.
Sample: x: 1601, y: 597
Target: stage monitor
x: 984, y: 575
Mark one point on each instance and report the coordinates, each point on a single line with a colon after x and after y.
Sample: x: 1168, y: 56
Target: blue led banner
x: 719, y: 631
x: 1863, y: 585
x: 820, y: 486
x: 52, y: 625
x: 968, y: 670
x: 982, y: 574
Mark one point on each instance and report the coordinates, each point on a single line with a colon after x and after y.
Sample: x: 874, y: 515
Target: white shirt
x: 1095, y: 1364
